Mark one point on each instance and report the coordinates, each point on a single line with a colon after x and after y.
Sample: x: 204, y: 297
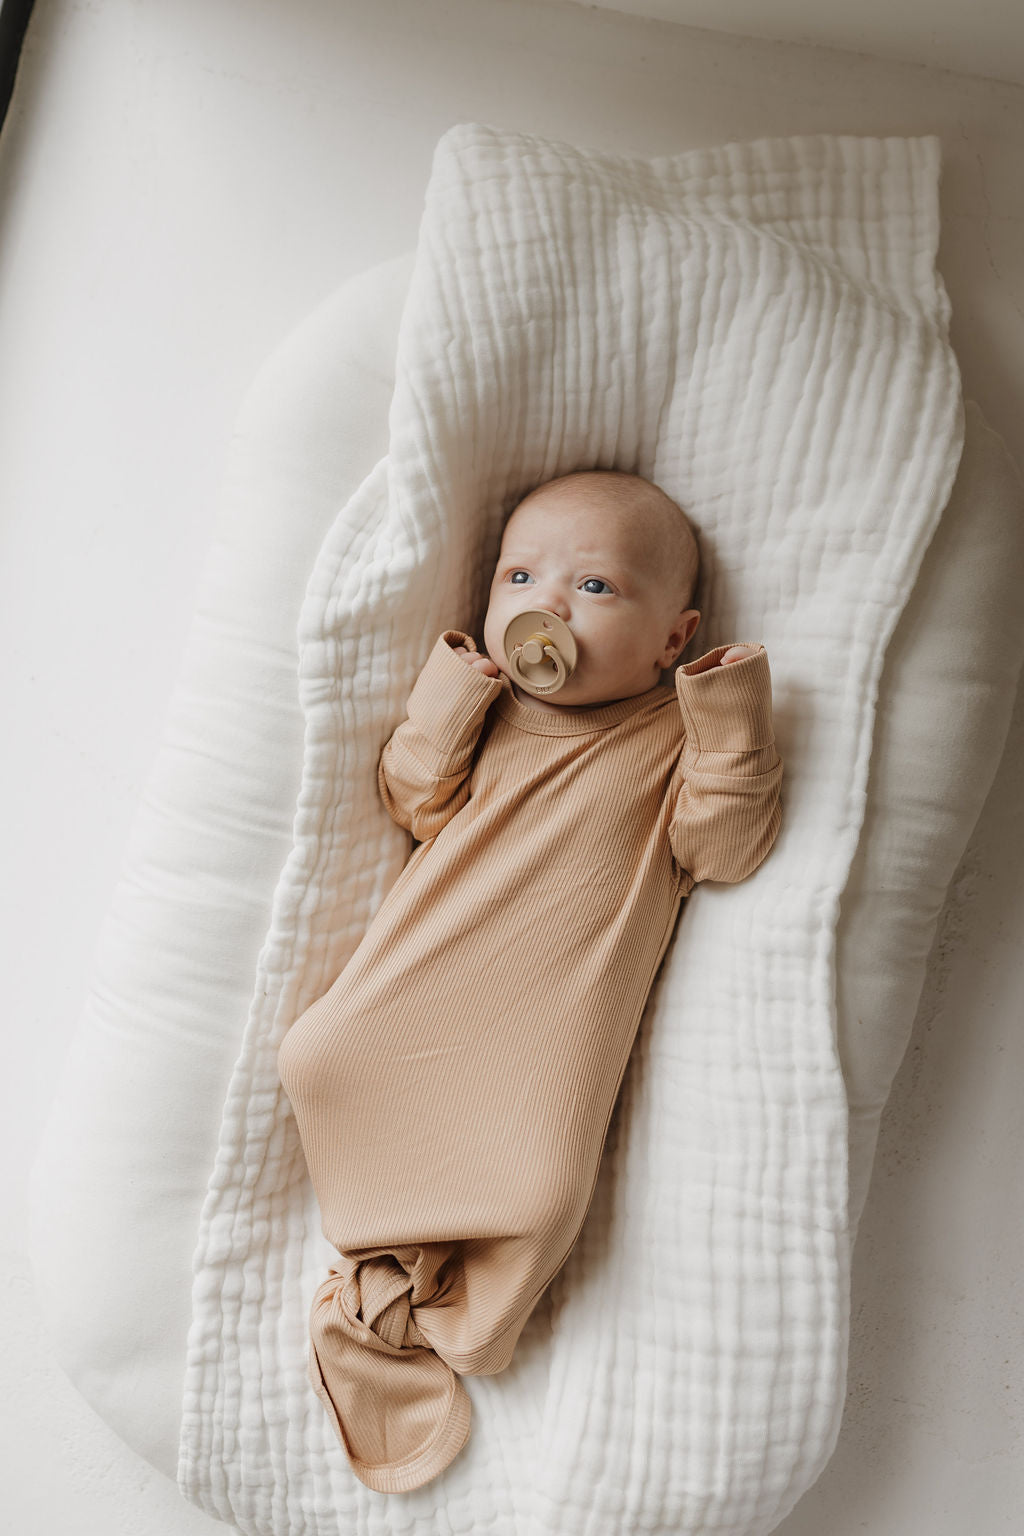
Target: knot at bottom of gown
x: 399, y: 1410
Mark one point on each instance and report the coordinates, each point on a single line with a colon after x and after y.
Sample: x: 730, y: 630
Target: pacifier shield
x: 540, y: 650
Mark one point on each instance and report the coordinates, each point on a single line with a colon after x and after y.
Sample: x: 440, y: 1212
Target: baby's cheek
x: 492, y: 636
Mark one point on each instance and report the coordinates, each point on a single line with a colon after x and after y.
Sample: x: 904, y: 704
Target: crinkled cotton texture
x: 760, y: 330
x: 454, y: 1086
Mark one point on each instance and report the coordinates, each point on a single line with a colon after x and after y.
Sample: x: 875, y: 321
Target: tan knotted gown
x: 454, y: 1087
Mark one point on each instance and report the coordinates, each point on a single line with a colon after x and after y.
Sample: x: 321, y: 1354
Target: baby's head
x: 617, y: 560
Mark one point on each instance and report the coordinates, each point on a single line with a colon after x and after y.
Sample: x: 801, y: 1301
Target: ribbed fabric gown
x: 454, y: 1087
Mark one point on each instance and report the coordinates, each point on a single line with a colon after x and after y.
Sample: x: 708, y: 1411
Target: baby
x: 454, y: 1088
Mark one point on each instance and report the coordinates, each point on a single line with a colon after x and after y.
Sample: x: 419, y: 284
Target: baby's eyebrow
x: 508, y: 556
x: 585, y: 557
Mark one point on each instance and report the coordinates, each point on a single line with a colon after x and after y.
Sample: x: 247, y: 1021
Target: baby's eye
x: 597, y: 580
x: 514, y: 574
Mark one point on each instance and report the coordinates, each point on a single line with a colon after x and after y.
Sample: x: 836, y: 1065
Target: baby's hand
x: 482, y: 663
x: 736, y: 653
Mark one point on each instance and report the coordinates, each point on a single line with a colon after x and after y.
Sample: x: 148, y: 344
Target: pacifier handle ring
x: 561, y: 671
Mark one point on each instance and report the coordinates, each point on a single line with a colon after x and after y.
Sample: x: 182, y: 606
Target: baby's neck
x: 534, y: 702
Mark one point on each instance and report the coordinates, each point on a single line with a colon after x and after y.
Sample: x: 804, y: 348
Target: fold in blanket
x: 454, y: 1086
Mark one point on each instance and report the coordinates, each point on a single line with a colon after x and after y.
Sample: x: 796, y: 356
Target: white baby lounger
x: 225, y: 881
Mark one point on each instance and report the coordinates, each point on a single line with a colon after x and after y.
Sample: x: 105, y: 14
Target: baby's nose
x: 556, y: 602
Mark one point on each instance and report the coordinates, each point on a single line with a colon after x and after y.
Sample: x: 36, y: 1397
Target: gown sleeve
x: 423, y: 769
x: 726, y: 809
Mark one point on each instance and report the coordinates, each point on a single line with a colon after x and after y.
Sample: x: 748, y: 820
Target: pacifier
x: 541, y: 651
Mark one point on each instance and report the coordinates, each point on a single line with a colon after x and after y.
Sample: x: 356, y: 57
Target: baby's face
x: 583, y: 560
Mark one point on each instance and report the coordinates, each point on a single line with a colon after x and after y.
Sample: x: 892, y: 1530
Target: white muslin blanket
x: 760, y: 329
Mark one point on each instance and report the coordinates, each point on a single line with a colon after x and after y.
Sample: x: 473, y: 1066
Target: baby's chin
x: 544, y: 700
x: 570, y: 696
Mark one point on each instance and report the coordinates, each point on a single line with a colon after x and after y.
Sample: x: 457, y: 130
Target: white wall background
x: 179, y: 185
x: 977, y: 37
